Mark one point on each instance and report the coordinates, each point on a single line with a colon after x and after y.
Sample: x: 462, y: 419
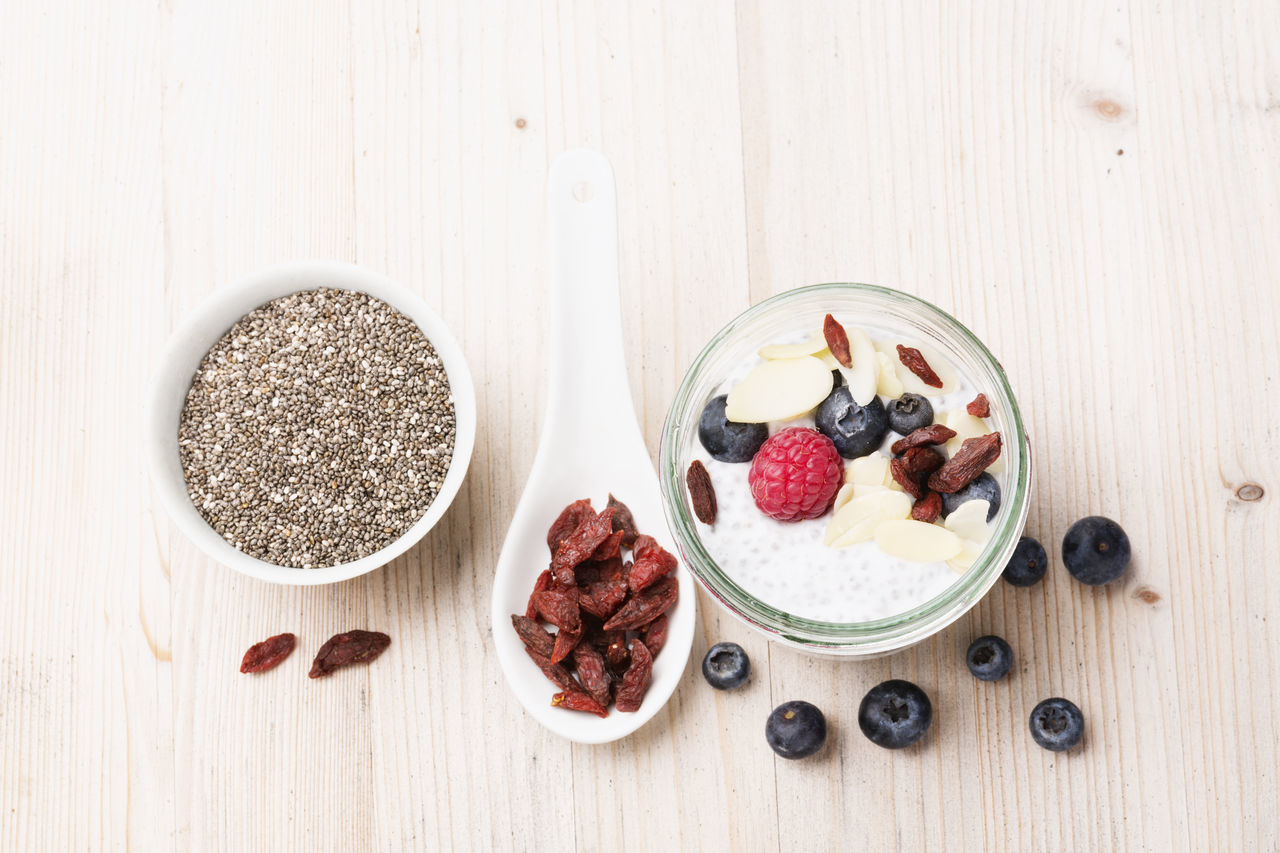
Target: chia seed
x: 317, y: 430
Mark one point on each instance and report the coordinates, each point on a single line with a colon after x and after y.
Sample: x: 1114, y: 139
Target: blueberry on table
x: 726, y: 666
x: 1028, y: 564
x: 909, y: 413
x: 1057, y: 724
x: 726, y: 440
x: 1095, y: 550
x: 983, y: 488
x: 796, y: 729
x: 989, y: 658
x: 895, y: 714
x: 854, y: 430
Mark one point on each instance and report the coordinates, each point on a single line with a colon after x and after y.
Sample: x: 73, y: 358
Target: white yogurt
x: 786, y: 565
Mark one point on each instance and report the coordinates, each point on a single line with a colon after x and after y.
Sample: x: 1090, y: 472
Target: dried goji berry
x: 348, y: 648
x: 580, y: 544
x: 912, y: 359
x: 655, y: 635
x: 616, y: 655
x: 533, y: 635
x: 268, y: 654
x: 603, y: 598
x: 623, y: 520
x: 566, y: 642
x: 635, y: 681
x: 654, y: 563
x: 701, y: 493
x: 928, y: 508
x: 644, y: 542
x: 973, y: 457
x: 590, y: 667
x: 932, y: 434
x: 555, y: 673
x: 543, y: 582
x: 609, y: 548
x: 920, y: 461
x: 559, y: 608
x: 910, y: 482
x: 979, y: 408
x: 645, y: 607
x: 579, y: 702
x: 837, y: 341
x: 568, y: 521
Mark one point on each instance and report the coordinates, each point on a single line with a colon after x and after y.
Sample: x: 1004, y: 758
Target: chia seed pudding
x: 317, y: 430
x: 832, y: 564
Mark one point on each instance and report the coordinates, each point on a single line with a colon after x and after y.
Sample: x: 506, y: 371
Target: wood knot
x: 1120, y: 152
x: 1147, y: 595
x: 520, y: 123
x: 1250, y: 492
x: 1108, y: 109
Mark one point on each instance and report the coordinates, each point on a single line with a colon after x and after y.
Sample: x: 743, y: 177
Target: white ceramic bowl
x: 209, y: 322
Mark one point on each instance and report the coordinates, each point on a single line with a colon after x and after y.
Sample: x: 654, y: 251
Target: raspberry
x: 795, y: 475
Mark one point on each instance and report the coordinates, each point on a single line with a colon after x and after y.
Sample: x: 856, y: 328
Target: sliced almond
x: 887, y: 381
x: 828, y: 359
x: 843, y: 496
x: 918, y: 542
x: 860, y: 489
x: 815, y: 344
x: 968, y: 555
x: 857, y: 521
x: 871, y: 470
x: 969, y: 522
x: 779, y: 390
x: 861, y: 378
x: 967, y: 426
x: 911, y: 382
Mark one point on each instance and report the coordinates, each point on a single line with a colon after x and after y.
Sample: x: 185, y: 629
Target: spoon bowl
x: 591, y: 445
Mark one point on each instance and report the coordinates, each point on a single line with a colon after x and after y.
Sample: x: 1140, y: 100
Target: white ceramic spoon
x: 591, y: 444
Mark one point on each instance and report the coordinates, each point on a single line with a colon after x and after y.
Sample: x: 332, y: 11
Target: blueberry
x: 895, y: 714
x: 1095, y: 550
x: 726, y: 666
x: 1057, y: 724
x: 989, y: 658
x: 726, y: 440
x: 909, y: 412
x: 855, y: 430
x: 796, y: 729
x: 1028, y: 564
x: 983, y: 488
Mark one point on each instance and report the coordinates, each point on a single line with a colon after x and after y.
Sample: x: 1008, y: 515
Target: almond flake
x: 861, y: 378
x: 911, y: 382
x: 815, y: 344
x: 918, y: 542
x: 871, y: 470
x: 843, y: 496
x: 887, y: 381
x: 779, y: 390
x: 857, y: 521
x: 969, y: 521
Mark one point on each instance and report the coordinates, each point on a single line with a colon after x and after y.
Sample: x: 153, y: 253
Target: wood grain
x: 1094, y: 188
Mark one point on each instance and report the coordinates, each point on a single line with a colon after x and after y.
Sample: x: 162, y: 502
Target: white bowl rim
x: 239, y: 297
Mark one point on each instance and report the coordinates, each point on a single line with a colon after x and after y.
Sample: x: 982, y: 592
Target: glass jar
x: 800, y: 311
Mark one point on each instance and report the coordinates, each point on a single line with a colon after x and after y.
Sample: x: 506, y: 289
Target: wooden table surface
x: 1094, y: 188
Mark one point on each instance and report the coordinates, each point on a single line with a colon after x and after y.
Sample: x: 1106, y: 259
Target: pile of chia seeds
x: 317, y: 430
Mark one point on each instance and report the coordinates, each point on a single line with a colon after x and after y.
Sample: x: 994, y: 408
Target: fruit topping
x: 837, y: 341
x: 1057, y: 724
x: 979, y: 408
x: 909, y: 412
x: 855, y: 430
x: 1095, y: 550
x: 928, y: 508
x: 870, y: 470
x: 727, y: 440
x: 969, y: 522
x: 814, y: 345
x: 1028, y: 564
x: 796, y: 729
x: 917, y: 364
x: 862, y: 377
x: 726, y: 666
x: 895, y: 714
x: 909, y: 482
x: 975, y: 455
x: 989, y: 658
x: 983, y: 488
x: 701, y: 493
x: 918, y: 542
x: 857, y: 521
x: 779, y: 390
x: 887, y: 381
x: 795, y: 475
x: 931, y: 434
x: 966, y: 427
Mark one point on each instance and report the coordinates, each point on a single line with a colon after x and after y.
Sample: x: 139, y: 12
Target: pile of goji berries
x: 609, y: 612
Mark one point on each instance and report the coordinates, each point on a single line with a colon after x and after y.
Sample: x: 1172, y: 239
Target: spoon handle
x: 589, y: 392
